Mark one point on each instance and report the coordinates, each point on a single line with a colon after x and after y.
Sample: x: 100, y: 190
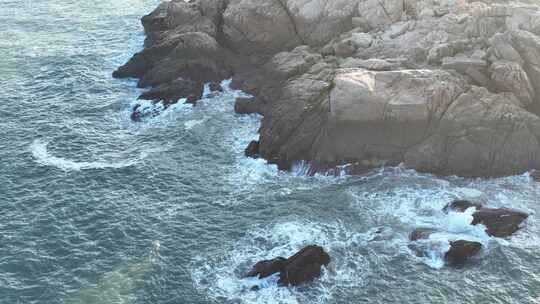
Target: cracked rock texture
x: 441, y: 86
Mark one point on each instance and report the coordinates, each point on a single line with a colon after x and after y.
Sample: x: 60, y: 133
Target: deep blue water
x: 97, y: 209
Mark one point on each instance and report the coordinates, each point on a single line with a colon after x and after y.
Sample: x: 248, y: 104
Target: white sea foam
x: 39, y: 151
x: 190, y: 124
x: 418, y: 202
x: 220, y: 274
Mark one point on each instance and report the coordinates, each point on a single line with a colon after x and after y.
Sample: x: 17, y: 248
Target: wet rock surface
x: 458, y: 252
x: 461, y: 251
x: 252, y: 150
x: 442, y: 86
x: 499, y: 222
x: 302, y: 267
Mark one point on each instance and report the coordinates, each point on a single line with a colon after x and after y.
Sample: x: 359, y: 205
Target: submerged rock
x: 303, y: 267
x: 499, y: 222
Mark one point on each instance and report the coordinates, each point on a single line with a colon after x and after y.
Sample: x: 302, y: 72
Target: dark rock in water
x: 461, y: 251
x: 305, y: 266
x: 252, y: 149
x: 136, y: 114
x: 499, y: 222
x: 246, y: 105
x: 172, y: 91
x: 215, y: 87
x: 461, y: 206
x: 192, y: 99
x: 267, y: 268
x: 300, y: 268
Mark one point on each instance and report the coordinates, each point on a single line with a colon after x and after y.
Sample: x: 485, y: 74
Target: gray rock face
x: 510, y: 77
x: 380, y: 13
x: 443, y: 86
x: 481, y: 134
x: 259, y: 26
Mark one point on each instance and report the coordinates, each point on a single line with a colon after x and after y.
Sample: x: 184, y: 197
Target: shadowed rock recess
x: 442, y: 86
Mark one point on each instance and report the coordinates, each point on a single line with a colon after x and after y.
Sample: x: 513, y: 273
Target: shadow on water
x: 119, y: 285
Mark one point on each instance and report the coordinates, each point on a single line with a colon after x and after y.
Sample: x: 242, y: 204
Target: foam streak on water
x: 42, y: 156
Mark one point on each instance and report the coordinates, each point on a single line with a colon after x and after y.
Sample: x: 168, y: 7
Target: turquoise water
x: 97, y: 209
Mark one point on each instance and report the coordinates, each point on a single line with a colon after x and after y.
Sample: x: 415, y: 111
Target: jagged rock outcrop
x: 303, y: 267
x: 499, y: 222
x: 457, y: 252
x: 442, y: 86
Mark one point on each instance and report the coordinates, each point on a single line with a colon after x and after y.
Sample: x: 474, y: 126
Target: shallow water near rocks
x: 97, y: 209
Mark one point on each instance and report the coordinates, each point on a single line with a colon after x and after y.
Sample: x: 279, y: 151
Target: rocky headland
x: 450, y: 87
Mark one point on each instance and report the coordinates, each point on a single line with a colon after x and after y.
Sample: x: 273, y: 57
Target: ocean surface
x: 97, y: 209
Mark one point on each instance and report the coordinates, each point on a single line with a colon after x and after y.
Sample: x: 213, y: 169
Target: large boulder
x: 457, y: 252
x: 499, y: 222
x: 302, y: 267
x: 461, y: 251
x: 374, y: 116
x: 294, y: 118
x: 480, y: 134
x: 431, y: 120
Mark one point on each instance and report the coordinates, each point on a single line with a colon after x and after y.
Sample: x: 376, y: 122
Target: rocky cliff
x: 442, y: 86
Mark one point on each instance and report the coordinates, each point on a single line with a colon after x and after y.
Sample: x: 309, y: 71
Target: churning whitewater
x: 98, y: 209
